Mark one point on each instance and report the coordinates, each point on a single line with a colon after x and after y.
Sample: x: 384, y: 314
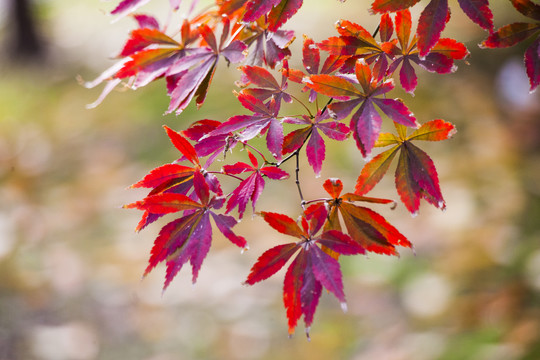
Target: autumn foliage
x: 345, y: 86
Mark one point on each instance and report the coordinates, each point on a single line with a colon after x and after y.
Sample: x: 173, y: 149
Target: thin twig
x: 376, y: 30
x: 302, y: 202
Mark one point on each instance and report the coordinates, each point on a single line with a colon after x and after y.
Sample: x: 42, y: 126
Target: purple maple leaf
x: 251, y: 187
x: 315, y: 148
x: 263, y: 120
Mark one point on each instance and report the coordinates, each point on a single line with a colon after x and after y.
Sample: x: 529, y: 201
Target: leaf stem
x: 256, y: 150
x: 302, y: 103
x: 317, y: 200
x: 222, y: 173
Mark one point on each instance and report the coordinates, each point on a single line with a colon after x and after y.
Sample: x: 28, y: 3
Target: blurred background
x: 71, y: 263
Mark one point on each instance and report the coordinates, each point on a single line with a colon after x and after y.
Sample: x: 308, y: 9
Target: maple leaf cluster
x: 346, y: 95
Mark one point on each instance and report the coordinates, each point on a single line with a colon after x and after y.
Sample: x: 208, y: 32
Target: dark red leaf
x: 225, y: 224
x: 479, y: 12
x: 294, y: 279
x: 382, y: 6
x: 317, y: 217
x: 249, y: 189
x: 430, y: 25
x: 340, y: 243
x: 199, y: 244
x: 274, y: 173
x: 326, y: 270
x: 407, y: 77
x: 532, y: 63
x: 374, y: 171
x: 396, y: 110
x: 527, y: 8
x: 316, y: 151
x: 282, y: 12
x: 171, y: 239
x: 310, y: 294
x: 257, y: 8
x: 270, y: 262
x: 202, y: 189
x: 260, y: 76
x: 371, y: 230
x: 510, y: 35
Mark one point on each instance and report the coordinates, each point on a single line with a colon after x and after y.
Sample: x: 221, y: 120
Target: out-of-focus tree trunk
x: 23, y: 42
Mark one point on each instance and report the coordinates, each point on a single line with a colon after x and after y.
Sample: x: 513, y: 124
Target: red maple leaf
x: 189, y: 237
x: 311, y: 58
x: 365, y: 226
x: 266, y: 47
x: 440, y: 58
x: 277, y: 11
x: 515, y: 33
x: 268, y: 87
x: 315, y: 148
x: 174, y: 178
x: 251, y: 187
x: 416, y: 176
x: 435, y: 15
x: 311, y: 270
x: 191, y: 75
x: 366, y: 121
x: 213, y: 145
x: 264, y: 119
x: 355, y: 42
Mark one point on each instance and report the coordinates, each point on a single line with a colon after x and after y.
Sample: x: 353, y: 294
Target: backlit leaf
x: 283, y: 224
x: 434, y: 130
x: 282, y: 12
x: 382, y: 6
x: 510, y: 35
x: 527, y: 8
x: 270, y: 262
x: 430, y: 25
x: 532, y: 63
x: 479, y: 12
x: 374, y: 171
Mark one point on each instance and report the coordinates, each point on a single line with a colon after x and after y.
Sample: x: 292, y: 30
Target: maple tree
x: 348, y: 96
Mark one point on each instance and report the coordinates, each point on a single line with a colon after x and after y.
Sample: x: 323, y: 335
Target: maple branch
x: 302, y: 201
x: 326, y: 106
x: 376, y: 30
